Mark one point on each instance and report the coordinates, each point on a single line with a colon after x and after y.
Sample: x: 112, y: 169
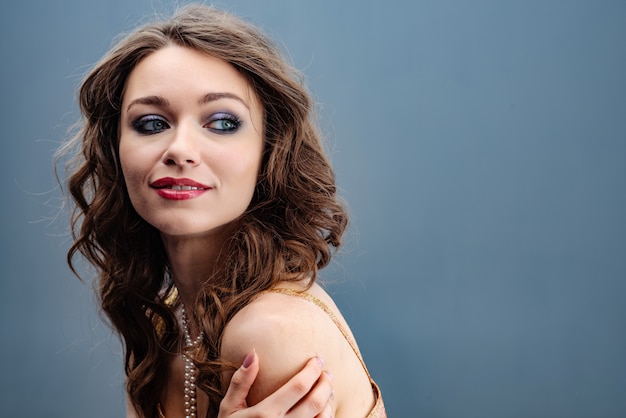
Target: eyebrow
x: 150, y: 101
x: 211, y: 97
x: 207, y: 98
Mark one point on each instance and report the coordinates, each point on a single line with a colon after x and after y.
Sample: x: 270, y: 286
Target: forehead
x: 185, y: 72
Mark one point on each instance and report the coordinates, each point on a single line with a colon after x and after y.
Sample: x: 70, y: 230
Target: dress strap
x: 331, y: 314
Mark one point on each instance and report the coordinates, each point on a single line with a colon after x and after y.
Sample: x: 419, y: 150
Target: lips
x: 178, y: 188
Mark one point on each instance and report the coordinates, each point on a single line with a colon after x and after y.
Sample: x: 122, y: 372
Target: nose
x: 183, y: 149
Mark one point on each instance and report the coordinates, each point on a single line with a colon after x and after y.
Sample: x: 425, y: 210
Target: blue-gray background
x: 482, y: 148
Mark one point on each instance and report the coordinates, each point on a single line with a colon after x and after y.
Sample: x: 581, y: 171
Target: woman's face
x: 191, y: 140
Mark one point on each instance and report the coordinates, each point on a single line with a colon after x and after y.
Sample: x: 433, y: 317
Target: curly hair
x: 289, y: 231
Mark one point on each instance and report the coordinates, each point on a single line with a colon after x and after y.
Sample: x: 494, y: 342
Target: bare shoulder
x: 286, y: 332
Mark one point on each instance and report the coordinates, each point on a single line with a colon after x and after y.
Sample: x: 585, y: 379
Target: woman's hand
x: 306, y: 395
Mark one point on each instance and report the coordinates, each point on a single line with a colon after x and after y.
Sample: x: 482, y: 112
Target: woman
x: 206, y: 202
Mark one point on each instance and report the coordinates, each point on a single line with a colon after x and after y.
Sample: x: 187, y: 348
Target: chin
x: 207, y: 230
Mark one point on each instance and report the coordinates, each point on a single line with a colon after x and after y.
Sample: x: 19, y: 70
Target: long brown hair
x: 288, y: 232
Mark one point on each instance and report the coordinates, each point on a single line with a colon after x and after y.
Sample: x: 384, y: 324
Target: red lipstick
x: 178, y: 189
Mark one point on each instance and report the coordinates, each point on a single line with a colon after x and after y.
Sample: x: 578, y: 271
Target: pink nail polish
x: 320, y: 362
x: 248, y: 360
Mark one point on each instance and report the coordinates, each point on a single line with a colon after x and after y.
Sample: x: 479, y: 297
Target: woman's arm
x: 306, y: 395
x: 286, y: 332
x: 311, y: 389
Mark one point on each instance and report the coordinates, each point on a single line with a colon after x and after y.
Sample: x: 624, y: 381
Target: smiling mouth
x: 179, y: 188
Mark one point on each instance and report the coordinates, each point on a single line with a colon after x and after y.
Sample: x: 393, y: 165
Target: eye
x: 150, y: 124
x: 223, y: 123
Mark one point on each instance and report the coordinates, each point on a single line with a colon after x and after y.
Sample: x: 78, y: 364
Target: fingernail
x: 332, y: 395
x: 320, y: 362
x: 249, y: 359
x: 330, y: 375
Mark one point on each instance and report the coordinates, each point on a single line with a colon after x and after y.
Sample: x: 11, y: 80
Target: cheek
x: 131, y: 168
x: 127, y: 169
x: 124, y: 158
x: 242, y: 166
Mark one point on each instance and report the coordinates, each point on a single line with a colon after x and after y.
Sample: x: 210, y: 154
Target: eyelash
x: 140, y: 124
x: 224, y: 117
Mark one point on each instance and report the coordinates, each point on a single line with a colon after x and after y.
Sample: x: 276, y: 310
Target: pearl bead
x: 190, y: 368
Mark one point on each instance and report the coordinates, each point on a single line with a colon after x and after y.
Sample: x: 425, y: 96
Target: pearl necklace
x: 190, y: 369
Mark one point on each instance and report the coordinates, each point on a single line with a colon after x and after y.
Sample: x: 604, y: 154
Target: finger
x: 240, y: 383
x: 292, y: 392
x: 318, y: 402
x: 327, y: 412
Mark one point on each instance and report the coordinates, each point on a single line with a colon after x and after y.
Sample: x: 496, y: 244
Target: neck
x: 192, y: 262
